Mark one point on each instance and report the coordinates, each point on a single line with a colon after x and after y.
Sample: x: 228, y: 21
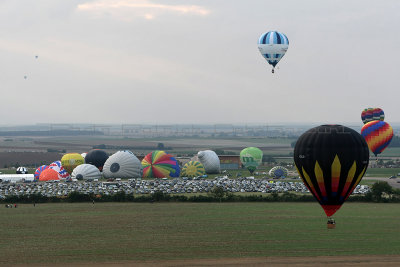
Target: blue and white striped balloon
x: 273, y: 46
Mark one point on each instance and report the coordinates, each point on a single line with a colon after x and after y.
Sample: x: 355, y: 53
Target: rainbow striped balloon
x: 159, y: 164
x: 378, y: 135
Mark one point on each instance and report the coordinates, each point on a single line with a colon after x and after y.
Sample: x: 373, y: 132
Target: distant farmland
x: 15, y: 159
x: 30, y: 146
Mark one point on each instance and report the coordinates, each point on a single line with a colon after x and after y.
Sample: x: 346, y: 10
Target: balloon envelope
x: 49, y: 175
x: 378, y: 135
x: 251, y: 158
x: 193, y: 169
x: 22, y: 170
x: 378, y: 114
x: 278, y: 172
x: 366, y: 115
x: 273, y: 46
x: 97, y: 158
x: 210, y: 161
x: 39, y: 171
x: 85, y: 172
x: 371, y: 114
x: 56, y: 165
x: 331, y: 160
x: 159, y: 164
x: 122, y: 164
x: 71, y: 160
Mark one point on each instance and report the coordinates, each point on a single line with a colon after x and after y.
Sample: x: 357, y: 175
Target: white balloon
x: 273, y: 46
x: 86, y: 171
x: 210, y: 161
x: 122, y: 164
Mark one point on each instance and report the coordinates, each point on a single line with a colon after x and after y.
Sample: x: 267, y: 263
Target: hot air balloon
x: 278, y: 172
x: 22, y: 170
x: 193, y: 169
x: 39, y: 171
x: 378, y: 114
x: 371, y: 114
x: 85, y: 172
x: 56, y: 165
x: 97, y: 158
x: 159, y: 164
x: 331, y: 160
x: 49, y: 175
x: 273, y: 46
x: 210, y: 161
x: 71, y: 160
x: 366, y: 115
x: 378, y: 135
x: 251, y: 158
x: 122, y: 164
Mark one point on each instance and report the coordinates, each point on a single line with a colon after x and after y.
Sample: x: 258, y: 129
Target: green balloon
x: 251, y: 158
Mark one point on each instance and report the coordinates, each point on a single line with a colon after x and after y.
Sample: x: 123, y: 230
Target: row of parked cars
x: 170, y: 186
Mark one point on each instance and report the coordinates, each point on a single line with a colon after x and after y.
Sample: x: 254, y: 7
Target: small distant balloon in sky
x: 273, y: 46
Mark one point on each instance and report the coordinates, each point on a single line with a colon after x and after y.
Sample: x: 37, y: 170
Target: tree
x: 218, y: 192
x: 380, y: 188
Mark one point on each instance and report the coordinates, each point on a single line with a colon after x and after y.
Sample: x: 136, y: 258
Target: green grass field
x: 117, y: 232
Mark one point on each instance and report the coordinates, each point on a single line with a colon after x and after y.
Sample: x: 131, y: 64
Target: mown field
x: 118, y: 232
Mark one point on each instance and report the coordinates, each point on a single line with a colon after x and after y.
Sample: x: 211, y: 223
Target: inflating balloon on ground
x: 251, y: 158
x: 71, y: 160
x: 159, y: 164
x: 193, y: 169
x: 278, y: 172
x: 122, y: 164
x: 97, y: 158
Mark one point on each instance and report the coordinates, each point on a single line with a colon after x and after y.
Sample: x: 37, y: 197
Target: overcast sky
x: 160, y: 61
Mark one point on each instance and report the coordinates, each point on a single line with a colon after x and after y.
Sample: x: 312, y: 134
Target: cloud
x: 128, y: 9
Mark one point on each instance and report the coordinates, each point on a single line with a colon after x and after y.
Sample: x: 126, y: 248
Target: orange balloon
x: 49, y: 175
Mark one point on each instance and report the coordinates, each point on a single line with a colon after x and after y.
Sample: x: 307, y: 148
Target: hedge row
x: 163, y: 197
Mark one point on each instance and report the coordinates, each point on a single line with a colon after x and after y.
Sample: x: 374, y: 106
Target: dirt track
x: 381, y: 260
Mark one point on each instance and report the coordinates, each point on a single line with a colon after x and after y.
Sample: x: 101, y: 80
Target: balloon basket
x: 331, y: 226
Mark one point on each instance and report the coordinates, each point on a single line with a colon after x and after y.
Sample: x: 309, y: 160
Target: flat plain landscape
x: 102, y: 233
x: 193, y: 234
